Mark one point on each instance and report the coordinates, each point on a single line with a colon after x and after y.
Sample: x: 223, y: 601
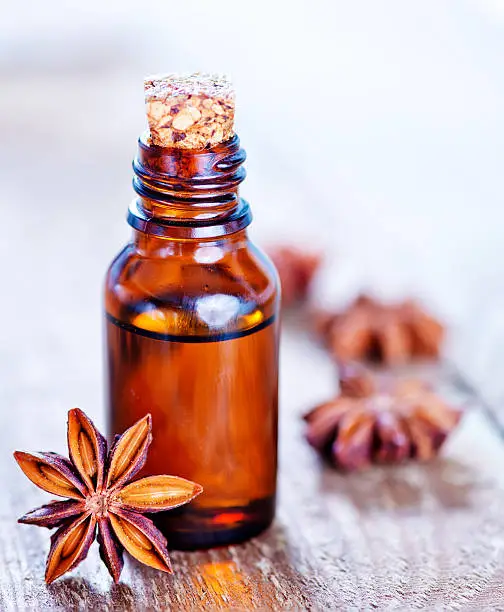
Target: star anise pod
x: 103, y: 497
x: 380, y: 420
x: 296, y: 269
x: 370, y: 330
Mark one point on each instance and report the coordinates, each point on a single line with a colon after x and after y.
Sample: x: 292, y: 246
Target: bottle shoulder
x: 192, y: 289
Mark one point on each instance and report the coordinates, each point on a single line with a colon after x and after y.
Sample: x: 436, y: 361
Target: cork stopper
x: 189, y: 111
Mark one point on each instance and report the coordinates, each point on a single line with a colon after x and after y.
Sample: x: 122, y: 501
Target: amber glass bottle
x: 192, y: 337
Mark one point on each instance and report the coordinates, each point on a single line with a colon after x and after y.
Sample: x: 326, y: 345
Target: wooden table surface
x: 410, y: 537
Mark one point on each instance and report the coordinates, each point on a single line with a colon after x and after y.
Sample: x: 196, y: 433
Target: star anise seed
x: 390, y: 333
x: 103, y: 498
x: 296, y: 269
x: 380, y: 420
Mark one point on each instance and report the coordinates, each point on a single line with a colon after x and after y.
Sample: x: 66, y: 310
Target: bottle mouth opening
x: 194, y: 168
x: 203, y: 177
x: 192, y: 189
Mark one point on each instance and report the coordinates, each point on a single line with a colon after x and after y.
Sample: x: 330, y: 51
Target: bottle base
x: 200, y: 528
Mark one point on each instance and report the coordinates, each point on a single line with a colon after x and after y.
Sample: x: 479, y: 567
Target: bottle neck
x: 203, y: 250
x: 189, y: 194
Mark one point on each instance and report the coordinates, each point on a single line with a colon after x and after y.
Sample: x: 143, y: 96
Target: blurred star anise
x: 393, y: 334
x: 103, y: 497
x: 296, y: 268
x: 380, y: 420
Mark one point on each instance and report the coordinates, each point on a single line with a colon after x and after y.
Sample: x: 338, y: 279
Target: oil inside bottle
x: 213, y: 397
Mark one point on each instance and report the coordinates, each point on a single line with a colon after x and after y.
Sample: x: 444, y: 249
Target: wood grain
x: 408, y: 537
x: 413, y: 537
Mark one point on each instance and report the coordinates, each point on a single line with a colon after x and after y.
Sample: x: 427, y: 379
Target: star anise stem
x: 103, y: 498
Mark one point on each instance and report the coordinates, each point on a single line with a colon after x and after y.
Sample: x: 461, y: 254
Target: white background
x: 374, y: 130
